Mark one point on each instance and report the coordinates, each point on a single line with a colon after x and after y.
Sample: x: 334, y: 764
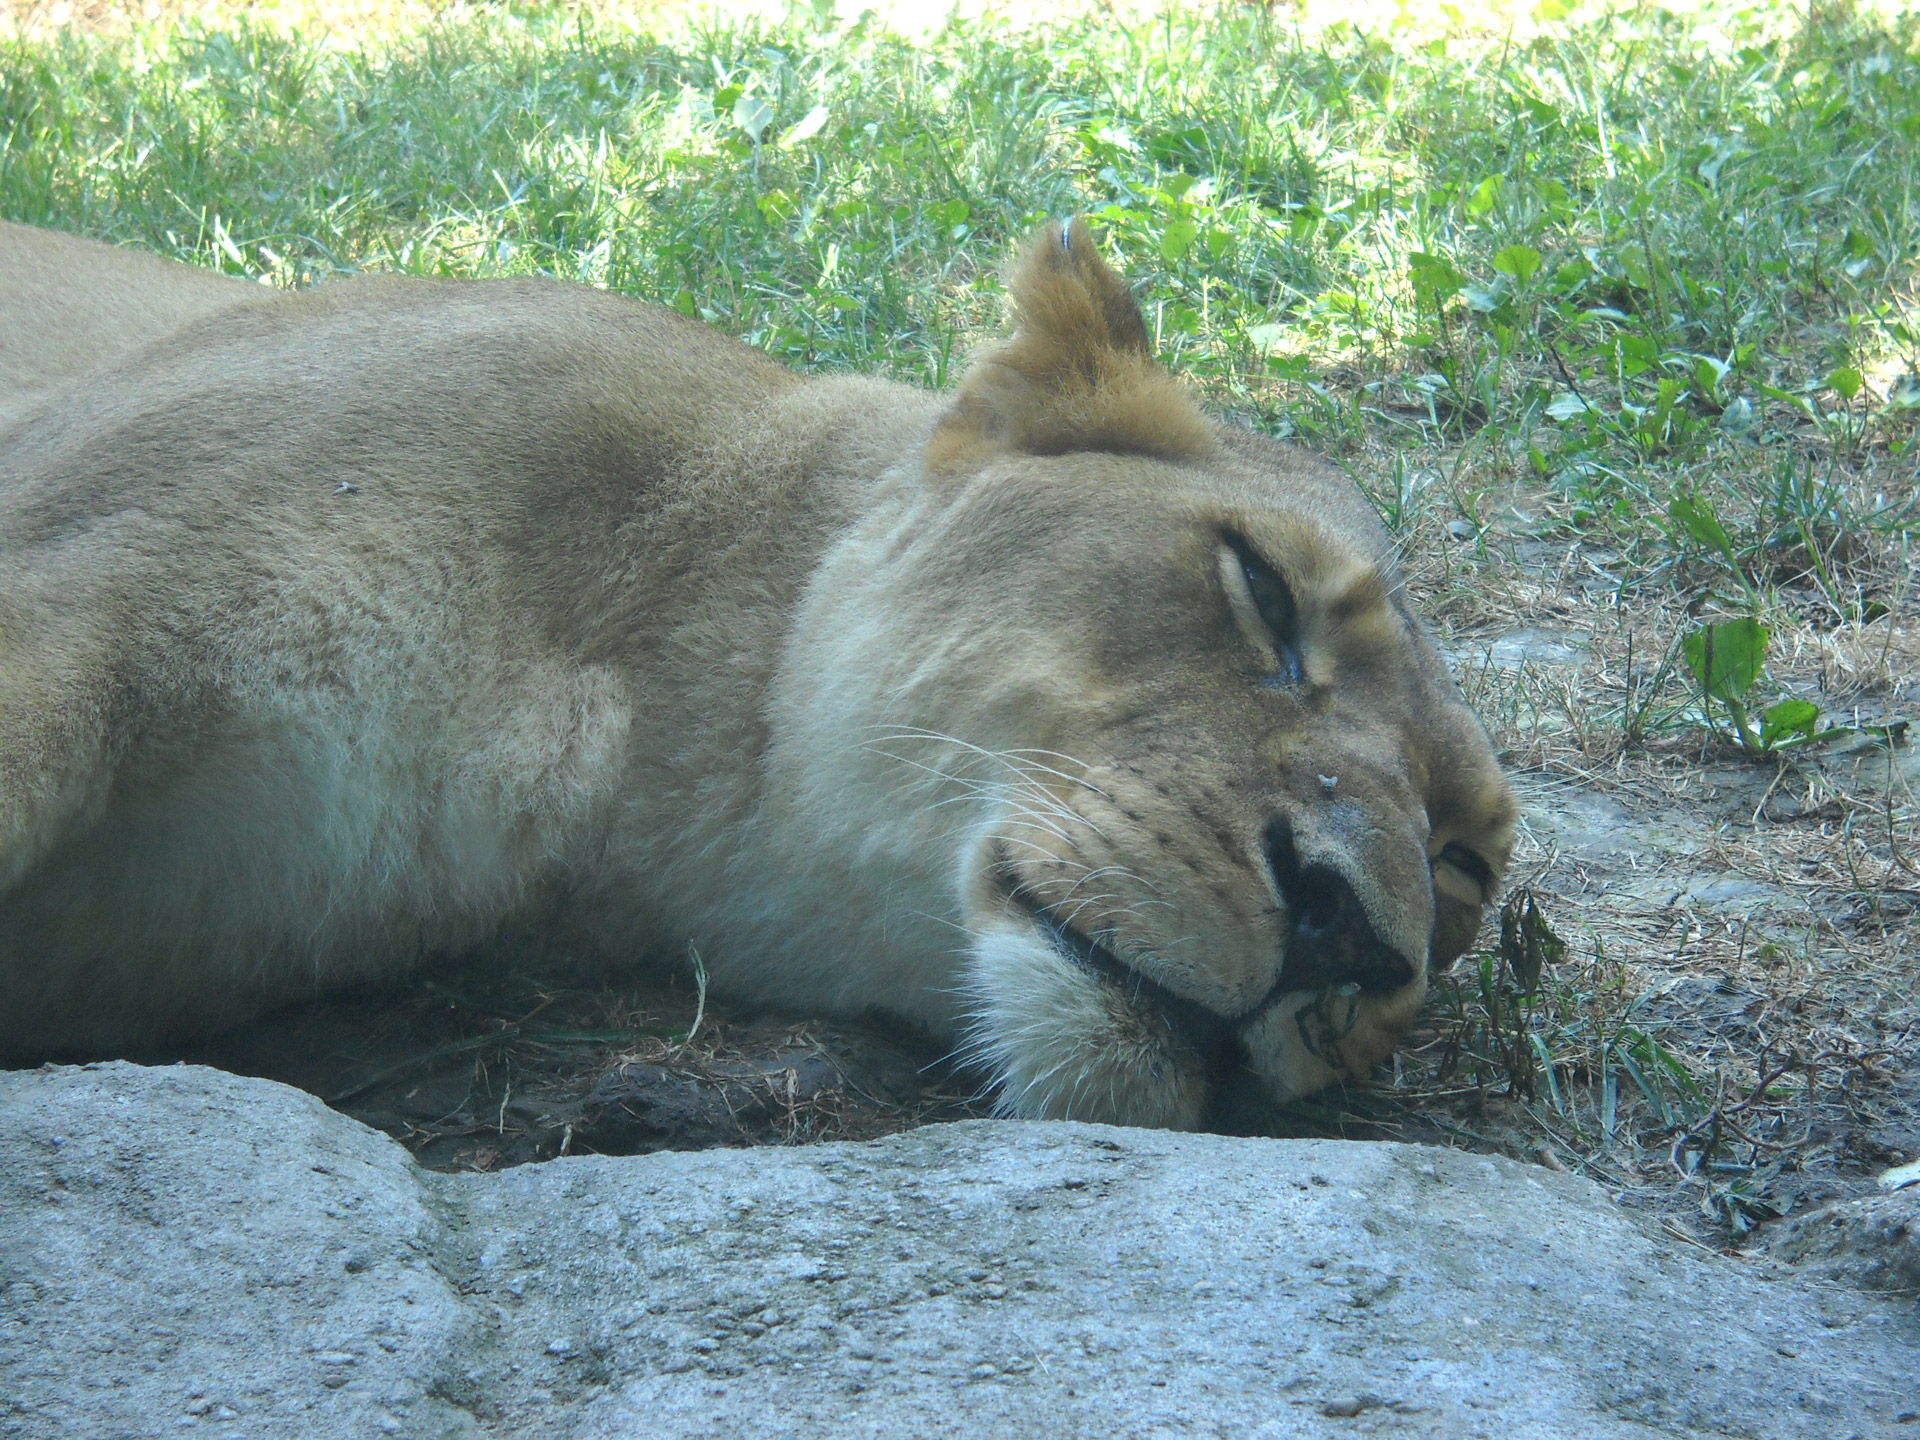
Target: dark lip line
x: 1212, y: 1035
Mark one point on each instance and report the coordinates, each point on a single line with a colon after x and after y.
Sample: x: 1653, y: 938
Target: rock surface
x: 1872, y: 1242
x: 182, y: 1249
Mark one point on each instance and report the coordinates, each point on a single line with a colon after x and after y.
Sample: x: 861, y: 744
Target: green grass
x: 1617, y: 250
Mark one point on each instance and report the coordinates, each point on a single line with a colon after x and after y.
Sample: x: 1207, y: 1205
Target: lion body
x: 347, y: 626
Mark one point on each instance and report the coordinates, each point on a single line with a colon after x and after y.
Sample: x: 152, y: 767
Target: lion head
x: 1207, y: 803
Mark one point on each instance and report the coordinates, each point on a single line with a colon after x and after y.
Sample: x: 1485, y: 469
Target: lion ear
x: 1078, y: 374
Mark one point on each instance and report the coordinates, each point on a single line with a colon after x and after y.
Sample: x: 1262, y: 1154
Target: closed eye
x: 1264, y: 608
x: 1472, y: 866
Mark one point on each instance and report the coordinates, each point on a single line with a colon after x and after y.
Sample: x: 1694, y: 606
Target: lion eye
x: 1273, y: 603
x: 1468, y: 864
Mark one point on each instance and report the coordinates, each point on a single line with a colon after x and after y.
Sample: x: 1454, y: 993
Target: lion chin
x: 1052, y: 715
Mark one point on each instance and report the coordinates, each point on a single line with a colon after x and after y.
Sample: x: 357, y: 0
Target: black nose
x: 1330, y: 941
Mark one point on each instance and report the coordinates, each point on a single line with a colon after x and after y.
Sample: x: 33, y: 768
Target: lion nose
x: 1330, y: 940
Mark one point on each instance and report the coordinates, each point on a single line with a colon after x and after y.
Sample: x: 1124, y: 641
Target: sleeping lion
x: 1053, y: 715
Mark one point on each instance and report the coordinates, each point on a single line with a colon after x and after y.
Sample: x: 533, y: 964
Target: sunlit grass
x: 1613, y: 241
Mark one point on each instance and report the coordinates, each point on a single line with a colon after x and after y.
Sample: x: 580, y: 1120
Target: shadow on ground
x: 476, y: 1070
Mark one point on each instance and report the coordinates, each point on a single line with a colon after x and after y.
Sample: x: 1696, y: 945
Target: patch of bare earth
x: 473, y: 1067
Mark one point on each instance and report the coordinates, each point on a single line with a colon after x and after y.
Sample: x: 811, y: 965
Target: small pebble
x: 1347, y: 1409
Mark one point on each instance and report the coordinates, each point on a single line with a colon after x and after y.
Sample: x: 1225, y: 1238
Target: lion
x: 1087, y: 732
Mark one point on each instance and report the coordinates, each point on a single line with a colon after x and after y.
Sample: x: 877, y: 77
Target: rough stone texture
x: 1872, y: 1242
x: 182, y: 1249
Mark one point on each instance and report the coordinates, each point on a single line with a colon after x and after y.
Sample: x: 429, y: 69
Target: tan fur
x: 341, y: 627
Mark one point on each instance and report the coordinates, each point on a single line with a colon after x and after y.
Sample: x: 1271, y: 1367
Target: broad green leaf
x: 752, y: 114
x: 1484, y: 298
x: 1708, y: 372
x: 808, y: 126
x: 1789, y: 717
x: 1638, y: 354
x: 1845, y: 382
x: 1267, y: 337
x: 1434, y: 280
x: 1727, y: 658
x: 1697, y: 518
x: 1519, y: 261
x: 1566, y: 406
x: 1570, y: 276
x: 1175, y: 239
x: 1485, y: 195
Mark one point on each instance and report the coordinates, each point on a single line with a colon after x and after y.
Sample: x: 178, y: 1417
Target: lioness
x: 338, y: 627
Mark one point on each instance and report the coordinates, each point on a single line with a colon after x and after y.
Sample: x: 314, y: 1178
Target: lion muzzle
x: 1330, y: 940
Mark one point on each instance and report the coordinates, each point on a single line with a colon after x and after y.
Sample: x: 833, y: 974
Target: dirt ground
x: 477, y: 1069
x: 1733, y: 1033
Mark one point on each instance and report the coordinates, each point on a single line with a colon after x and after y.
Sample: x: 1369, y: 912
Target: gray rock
x: 185, y: 1250
x: 1873, y: 1242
